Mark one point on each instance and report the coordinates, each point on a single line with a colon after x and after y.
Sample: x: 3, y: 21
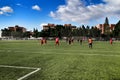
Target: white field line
x: 19, y: 67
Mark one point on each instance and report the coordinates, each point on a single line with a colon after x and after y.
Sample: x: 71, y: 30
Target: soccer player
x: 80, y: 41
x: 90, y: 42
x: 57, y: 41
x: 70, y: 40
x: 111, y: 41
x: 45, y: 40
x: 42, y: 41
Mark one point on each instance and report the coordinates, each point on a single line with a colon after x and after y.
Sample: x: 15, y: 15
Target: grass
x: 12, y: 73
x: 64, y: 62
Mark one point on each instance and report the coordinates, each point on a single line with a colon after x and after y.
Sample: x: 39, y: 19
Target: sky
x: 36, y: 13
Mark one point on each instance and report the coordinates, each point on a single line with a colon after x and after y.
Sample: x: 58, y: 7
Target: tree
x: 44, y: 33
x: 106, y: 27
x: 75, y: 32
x: 27, y: 34
x: 67, y: 31
x: 88, y: 31
x: 106, y: 21
x: 17, y: 34
x: 59, y: 31
x: 95, y: 32
x: 80, y: 31
x: 116, y: 31
x: 36, y: 33
x: 84, y: 31
x: 6, y: 32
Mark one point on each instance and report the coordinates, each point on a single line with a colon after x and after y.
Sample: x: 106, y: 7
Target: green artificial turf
x: 12, y: 73
x: 63, y: 62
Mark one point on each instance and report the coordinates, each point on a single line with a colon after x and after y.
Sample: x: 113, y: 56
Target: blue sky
x: 35, y: 13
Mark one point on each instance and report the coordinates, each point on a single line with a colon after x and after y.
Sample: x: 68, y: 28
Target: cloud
x: 36, y: 7
x: 1, y: 12
x: 76, y: 11
x: 113, y: 2
x: 5, y: 10
x: 18, y: 4
x: 41, y: 25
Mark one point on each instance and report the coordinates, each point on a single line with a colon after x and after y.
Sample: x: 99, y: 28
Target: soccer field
x: 63, y: 62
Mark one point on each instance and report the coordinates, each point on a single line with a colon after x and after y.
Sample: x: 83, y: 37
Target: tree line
x: 62, y: 31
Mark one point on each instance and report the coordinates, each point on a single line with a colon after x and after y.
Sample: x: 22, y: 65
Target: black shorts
x: 90, y: 43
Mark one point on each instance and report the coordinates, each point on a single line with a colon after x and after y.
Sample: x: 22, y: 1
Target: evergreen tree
x: 36, y: 33
x: 106, y: 27
x: 6, y: 32
x: 59, y: 31
x: 116, y: 31
x: 106, y: 21
x: 80, y: 31
x: 84, y: 31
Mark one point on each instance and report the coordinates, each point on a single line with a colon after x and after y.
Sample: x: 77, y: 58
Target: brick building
x: 17, y: 28
x: 102, y: 27
x: 46, y: 27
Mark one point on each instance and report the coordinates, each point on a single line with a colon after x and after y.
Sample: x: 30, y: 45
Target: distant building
x: 70, y: 26
x: 73, y: 27
x: 67, y: 25
x: 106, y: 27
x: 112, y: 26
x: 17, y: 28
x: 102, y: 27
x: 46, y: 27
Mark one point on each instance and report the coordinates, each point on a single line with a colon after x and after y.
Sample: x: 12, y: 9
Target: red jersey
x: 57, y: 39
x: 90, y: 40
x: 111, y: 41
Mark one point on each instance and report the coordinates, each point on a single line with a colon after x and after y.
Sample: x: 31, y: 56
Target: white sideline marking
x: 23, y: 77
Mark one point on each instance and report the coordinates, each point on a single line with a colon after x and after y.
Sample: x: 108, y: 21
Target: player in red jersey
x: 111, y: 41
x: 42, y: 41
x: 45, y: 40
x: 90, y: 42
x: 57, y: 41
